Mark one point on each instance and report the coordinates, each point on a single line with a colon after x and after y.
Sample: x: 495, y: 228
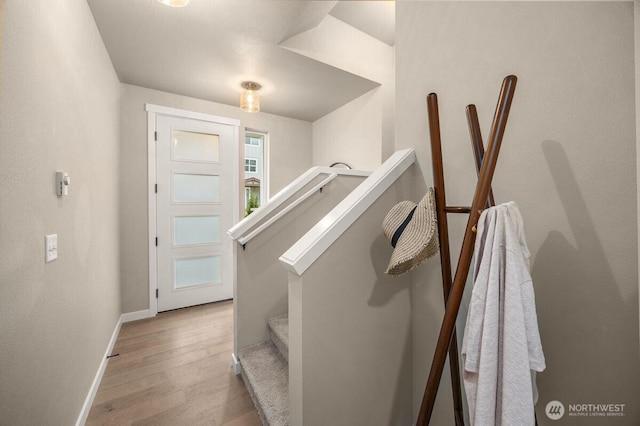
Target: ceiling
x: 206, y: 49
x: 376, y: 18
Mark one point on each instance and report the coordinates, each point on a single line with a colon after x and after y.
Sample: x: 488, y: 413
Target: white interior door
x: 195, y: 198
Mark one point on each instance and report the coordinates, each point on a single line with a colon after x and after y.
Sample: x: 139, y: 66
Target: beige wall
x: 636, y: 20
x: 360, y: 132
x: 568, y: 160
x: 350, y: 335
x: 289, y: 154
x: 261, y: 290
x: 59, y: 107
x: 351, y: 134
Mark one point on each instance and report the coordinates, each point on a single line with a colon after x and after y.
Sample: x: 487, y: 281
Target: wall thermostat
x: 62, y: 183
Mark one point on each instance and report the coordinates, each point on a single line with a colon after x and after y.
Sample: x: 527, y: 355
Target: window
x: 256, y: 179
x: 251, y: 139
x: 250, y: 165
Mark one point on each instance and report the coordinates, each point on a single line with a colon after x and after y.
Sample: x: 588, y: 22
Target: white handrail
x: 244, y: 240
x: 245, y: 226
x: 310, y: 247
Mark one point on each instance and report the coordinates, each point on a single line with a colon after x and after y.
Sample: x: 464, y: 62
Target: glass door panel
x: 196, y: 271
x: 188, y: 188
x: 192, y: 146
x: 191, y: 230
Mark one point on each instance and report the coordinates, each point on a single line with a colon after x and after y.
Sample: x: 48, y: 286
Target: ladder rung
x: 457, y: 209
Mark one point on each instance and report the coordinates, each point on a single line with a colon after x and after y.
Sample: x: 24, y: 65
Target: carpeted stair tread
x: 266, y: 375
x: 279, y: 328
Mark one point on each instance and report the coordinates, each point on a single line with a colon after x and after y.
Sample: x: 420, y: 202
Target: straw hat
x: 412, y: 230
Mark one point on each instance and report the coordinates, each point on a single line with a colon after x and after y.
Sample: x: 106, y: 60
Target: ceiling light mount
x: 250, y: 85
x: 249, y: 99
x: 174, y: 3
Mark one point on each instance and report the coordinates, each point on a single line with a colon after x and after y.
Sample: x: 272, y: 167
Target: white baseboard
x: 86, y: 407
x: 138, y: 315
x: 237, y: 368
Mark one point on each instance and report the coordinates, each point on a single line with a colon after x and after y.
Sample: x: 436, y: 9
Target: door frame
x: 153, y: 111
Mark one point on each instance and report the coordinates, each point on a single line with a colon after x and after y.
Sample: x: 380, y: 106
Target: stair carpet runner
x: 265, y: 372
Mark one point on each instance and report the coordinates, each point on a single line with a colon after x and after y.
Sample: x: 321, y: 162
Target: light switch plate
x: 50, y: 247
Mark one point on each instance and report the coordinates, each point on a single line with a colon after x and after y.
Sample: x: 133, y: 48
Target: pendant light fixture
x: 249, y: 99
x: 174, y: 3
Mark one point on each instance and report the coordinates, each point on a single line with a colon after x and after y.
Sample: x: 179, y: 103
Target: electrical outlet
x: 50, y: 247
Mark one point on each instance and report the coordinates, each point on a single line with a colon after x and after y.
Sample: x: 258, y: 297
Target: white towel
x: 501, y: 344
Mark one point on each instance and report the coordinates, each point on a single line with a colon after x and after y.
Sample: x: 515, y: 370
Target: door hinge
x: 156, y: 293
x: 155, y: 136
x: 156, y: 241
x: 156, y: 188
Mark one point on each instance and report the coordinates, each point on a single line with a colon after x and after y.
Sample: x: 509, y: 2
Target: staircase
x: 265, y: 372
x: 307, y: 228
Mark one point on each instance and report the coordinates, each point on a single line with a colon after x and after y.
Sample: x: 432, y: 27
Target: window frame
x: 255, y: 165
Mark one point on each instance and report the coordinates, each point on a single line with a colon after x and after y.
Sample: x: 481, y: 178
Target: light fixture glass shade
x: 249, y: 99
x: 174, y: 3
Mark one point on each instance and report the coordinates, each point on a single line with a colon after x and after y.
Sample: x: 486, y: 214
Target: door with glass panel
x: 195, y: 197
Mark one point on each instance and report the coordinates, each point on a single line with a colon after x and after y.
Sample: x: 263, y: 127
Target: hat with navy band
x: 413, y: 232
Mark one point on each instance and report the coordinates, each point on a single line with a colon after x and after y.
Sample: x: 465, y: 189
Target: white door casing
x: 196, y: 170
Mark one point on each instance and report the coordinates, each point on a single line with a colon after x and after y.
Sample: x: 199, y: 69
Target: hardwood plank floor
x: 175, y: 369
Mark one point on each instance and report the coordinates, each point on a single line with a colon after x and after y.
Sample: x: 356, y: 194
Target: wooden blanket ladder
x: 483, y: 197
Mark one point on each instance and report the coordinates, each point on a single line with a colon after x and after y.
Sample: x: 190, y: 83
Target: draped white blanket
x: 501, y: 347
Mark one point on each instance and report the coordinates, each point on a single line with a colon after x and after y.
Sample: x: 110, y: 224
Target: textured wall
x: 289, y: 156
x: 261, y: 290
x: 350, y: 335
x: 59, y: 110
x: 360, y: 132
x: 568, y: 159
x: 351, y: 134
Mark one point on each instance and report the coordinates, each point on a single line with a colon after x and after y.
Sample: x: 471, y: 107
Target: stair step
x: 279, y: 330
x: 266, y: 375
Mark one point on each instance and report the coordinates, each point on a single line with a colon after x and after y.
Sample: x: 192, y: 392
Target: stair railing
x: 252, y: 225
x: 311, y: 246
x: 245, y: 239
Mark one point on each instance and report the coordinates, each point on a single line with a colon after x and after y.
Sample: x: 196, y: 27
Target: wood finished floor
x: 175, y: 369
